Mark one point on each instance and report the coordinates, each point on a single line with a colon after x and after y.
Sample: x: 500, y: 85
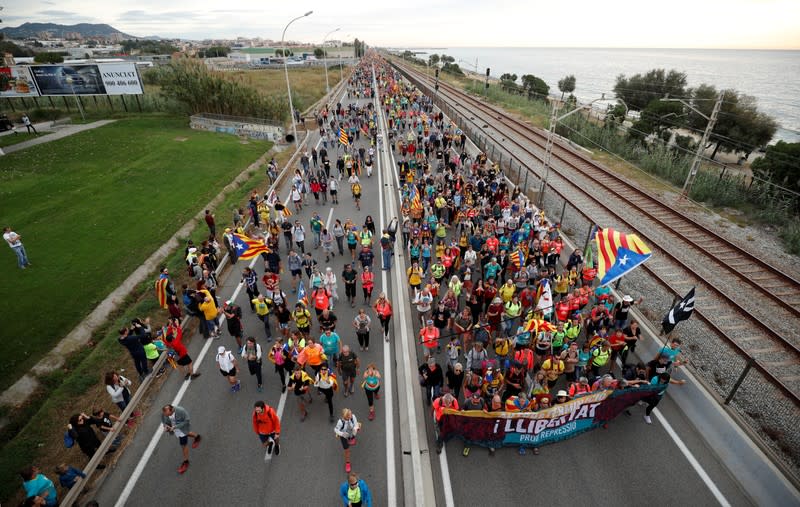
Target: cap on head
x: 561, y: 393
x: 626, y: 298
x: 220, y: 349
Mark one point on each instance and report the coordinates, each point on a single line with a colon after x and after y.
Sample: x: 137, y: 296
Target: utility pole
x: 702, y: 146
x: 486, y: 85
x: 548, y: 150
x: 687, y: 186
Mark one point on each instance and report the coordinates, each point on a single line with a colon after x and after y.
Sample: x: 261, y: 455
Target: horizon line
x: 600, y: 47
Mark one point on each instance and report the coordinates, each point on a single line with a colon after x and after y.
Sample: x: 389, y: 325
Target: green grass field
x: 91, y: 208
x: 10, y: 139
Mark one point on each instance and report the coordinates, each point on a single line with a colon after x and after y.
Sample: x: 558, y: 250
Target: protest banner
x: 534, y: 429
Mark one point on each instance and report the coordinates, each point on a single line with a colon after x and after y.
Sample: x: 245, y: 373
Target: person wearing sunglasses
x: 354, y: 492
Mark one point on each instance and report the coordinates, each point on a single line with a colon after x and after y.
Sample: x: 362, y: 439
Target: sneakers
x: 277, y: 449
x: 260, y: 388
x: 235, y: 388
x: 187, y: 377
x: 347, y: 467
x: 522, y: 451
x: 270, y: 445
x: 283, y: 389
x: 196, y: 442
x: 184, y: 466
x: 371, y: 416
x: 195, y: 375
x: 330, y: 418
x: 648, y: 420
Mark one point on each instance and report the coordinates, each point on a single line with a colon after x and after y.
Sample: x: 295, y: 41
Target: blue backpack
x: 69, y: 442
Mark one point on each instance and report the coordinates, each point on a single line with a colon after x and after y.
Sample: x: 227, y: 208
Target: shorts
x: 231, y: 373
x: 184, y: 360
x: 265, y: 438
x: 304, y: 329
x: 183, y: 440
x: 356, y: 196
x: 345, y: 442
x: 296, y: 272
x: 283, y: 325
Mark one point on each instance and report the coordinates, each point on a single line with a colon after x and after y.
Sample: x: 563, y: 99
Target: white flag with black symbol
x: 681, y: 311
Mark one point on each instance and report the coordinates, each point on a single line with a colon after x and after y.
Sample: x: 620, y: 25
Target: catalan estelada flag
x: 517, y: 257
x: 343, y: 137
x: 416, y: 203
x: 161, y: 291
x: 247, y: 248
x: 301, y: 294
x: 618, y: 254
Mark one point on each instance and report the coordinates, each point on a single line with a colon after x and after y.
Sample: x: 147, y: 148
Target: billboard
x: 17, y: 82
x: 60, y: 79
x: 68, y: 79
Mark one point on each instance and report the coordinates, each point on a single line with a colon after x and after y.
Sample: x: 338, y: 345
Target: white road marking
x: 448, y: 488
x: 391, y: 479
x: 692, y: 460
x: 416, y: 451
x: 151, y: 447
x: 281, y: 407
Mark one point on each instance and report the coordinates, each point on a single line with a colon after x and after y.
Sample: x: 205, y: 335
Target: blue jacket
x: 366, y: 496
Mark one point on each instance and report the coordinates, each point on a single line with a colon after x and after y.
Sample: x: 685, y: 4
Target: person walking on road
x: 279, y: 357
x: 227, y: 363
x: 251, y: 352
x: 175, y: 420
x: 372, y: 387
x: 267, y: 426
x: 355, y: 493
x: 14, y: 241
x: 233, y: 319
x: 383, y: 309
x: 346, y: 429
x: 299, y: 383
x: 326, y: 382
x: 362, y: 324
x: 387, y: 248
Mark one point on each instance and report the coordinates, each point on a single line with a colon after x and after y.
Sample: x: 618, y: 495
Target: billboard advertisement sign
x: 17, y: 82
x: 84, y: 79
x: 68, y: 79
x: 121, y: 78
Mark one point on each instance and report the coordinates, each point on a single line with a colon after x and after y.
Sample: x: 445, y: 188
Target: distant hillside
x: 86, y: 29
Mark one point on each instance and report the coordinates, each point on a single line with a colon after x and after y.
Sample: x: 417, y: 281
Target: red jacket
x: 266, y: 422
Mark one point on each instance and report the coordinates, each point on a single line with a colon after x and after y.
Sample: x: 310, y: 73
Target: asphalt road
x: 630, y: 463
x: 229, y: 467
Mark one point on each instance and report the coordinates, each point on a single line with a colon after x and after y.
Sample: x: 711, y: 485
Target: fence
x: 252, y: 128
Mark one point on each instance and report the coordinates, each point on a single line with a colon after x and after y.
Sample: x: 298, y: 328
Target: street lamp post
x: 554, y: 119
x: 325, y: 59
x: 286, y: 70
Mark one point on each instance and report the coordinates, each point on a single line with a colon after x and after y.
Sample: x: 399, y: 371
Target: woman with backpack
x: 278, y: 357
x: 346, y: 429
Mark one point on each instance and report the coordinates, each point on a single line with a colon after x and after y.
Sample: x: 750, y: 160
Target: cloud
x: 57, y: 13
x: 140, y: 17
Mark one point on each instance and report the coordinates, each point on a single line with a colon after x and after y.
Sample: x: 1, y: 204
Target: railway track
x: 770, y: 324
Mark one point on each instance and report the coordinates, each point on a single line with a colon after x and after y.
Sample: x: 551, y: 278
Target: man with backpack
x: 267, y: 426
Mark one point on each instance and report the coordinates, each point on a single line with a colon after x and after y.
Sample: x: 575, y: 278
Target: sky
x: 753, y: 24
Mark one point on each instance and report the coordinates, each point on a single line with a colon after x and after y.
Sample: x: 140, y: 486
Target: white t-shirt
x: 12, y: 238
x: 178, y: 433
x: 225, y: 361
